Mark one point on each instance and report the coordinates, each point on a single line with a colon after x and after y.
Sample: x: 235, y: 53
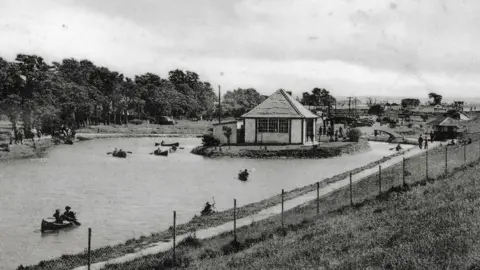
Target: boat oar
x: 157, y: 144
x: 129, y: 152
x: 108, y: 153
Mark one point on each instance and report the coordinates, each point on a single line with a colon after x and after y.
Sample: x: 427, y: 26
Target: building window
x: 272, y: 125
x: 283, y: 125
x: 262, y: 125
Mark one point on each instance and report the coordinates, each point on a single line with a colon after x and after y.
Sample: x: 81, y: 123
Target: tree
x: 354, y: 135
x: 376, y: 109
x: 240, y: 101
x: 437, y: 99
x: 227, y: 131
x: 410, y: 102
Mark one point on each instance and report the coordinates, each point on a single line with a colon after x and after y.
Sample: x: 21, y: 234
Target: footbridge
x: 394, y: 136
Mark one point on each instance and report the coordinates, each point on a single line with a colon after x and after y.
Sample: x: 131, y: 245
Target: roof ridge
x: 290, y: 102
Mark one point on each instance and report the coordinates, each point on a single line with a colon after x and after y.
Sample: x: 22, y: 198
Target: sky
x: 351, y: 48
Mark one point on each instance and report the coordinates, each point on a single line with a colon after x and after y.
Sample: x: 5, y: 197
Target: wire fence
x: 426, y: 166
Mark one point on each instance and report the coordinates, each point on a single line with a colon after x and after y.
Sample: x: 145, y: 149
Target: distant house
x: 280, y: 119
x: 446, y: 128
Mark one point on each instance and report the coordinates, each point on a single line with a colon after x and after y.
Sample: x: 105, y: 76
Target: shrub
x: 210, y: 140
x: 136, y: 121
x: 354, y: 135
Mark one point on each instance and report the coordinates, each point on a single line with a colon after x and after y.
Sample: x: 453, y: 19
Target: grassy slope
x: 432, y: 226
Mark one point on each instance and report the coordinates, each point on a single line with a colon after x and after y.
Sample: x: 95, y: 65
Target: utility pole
x: 349, y: 108
x: 219, y: 105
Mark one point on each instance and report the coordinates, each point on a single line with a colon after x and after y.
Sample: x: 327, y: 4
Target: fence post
x: 403, y: 174
x: 380, y: 179
x: 174, y: 238
x: 318, y: 197
x: 351, y: 191
x: 89, y: 246
x: 235, y: 220
x: 426, y: 165
x: 282, y: 207
x: 446, y: 161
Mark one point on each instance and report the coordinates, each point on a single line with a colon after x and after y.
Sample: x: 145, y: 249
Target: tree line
x: 79, y: 93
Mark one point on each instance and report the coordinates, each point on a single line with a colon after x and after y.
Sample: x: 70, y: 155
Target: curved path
x: 264, y: 214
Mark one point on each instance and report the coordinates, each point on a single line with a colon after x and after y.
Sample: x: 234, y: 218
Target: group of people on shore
x: 334, y: 135
x: 18, y: 135
x: 423, y: 142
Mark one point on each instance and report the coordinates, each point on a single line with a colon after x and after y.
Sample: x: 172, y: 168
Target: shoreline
x: 43, y: 146
x: 199, y: 223
x: 320, y: 151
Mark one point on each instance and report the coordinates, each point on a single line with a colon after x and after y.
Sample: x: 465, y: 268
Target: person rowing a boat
x: 208, y: 209
x: 114, y: 152
x: 68, y: 215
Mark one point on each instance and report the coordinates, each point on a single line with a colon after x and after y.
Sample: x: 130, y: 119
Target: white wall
x: 218, y: 133
x: 250, y: 130
x: 273, y: 138
x: 296, y: 130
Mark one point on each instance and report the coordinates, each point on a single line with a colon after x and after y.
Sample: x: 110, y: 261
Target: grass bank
x: 424, y: 224
x: 133, y: 245
x: 26, y: 150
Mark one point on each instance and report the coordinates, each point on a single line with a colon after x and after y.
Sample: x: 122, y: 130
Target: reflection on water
x: 124, y: 198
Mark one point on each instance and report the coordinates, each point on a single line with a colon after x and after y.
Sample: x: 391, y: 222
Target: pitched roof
x: 280, y: 105
x: 444, y: 122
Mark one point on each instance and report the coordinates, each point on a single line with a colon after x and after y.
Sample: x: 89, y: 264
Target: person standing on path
x: 420, y: 141
x: 426, y: 143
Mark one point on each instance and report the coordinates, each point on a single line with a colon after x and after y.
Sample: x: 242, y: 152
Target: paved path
x: 263, y: 214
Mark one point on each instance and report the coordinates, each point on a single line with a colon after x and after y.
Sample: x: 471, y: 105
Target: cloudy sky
x: 370, y: 47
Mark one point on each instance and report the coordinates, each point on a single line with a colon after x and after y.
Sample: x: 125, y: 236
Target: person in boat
x: 68, y: 215
x: 115, y: 152
x: 208, y: 208
x: 58, y: 218
x: 399, y: 147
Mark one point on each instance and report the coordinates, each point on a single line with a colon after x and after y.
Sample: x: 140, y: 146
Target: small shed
x: 219, y: 130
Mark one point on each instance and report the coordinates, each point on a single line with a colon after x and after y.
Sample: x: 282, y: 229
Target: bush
x: 136, y: 121
x: 354, y: 135
x: 210, y: 140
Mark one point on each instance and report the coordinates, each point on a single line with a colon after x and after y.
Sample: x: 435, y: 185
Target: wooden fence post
x: 379, y: 179
x: 235, y: 220
x: 283, y: 193
x: 403, y: 173
x: 89, y: 246
x: 446, y: 161
x: 318, y: 197
x: 174, y: 238
x: 426, y: 165
x: 351, y: 191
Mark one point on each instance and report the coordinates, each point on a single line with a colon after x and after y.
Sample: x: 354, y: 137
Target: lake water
x: 124, y: 198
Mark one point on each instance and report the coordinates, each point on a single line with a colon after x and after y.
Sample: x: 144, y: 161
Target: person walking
x: 426, y: 143
x: 431, y: 136
x: 420, y: 141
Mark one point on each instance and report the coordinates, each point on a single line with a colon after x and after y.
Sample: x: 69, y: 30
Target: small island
x: 279, y: 127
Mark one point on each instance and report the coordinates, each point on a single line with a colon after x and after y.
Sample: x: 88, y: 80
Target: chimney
x: 289, y: 92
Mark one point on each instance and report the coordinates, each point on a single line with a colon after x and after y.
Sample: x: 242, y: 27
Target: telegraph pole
x: 219, y: 105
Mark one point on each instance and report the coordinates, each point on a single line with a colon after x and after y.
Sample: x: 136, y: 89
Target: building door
x: 310, y: 131
x: 241, y: 134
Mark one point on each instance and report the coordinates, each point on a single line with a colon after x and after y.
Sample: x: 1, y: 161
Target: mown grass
x: 425, y: 224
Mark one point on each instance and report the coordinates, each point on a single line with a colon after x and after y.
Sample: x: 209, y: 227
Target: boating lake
x: 125, y: 198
